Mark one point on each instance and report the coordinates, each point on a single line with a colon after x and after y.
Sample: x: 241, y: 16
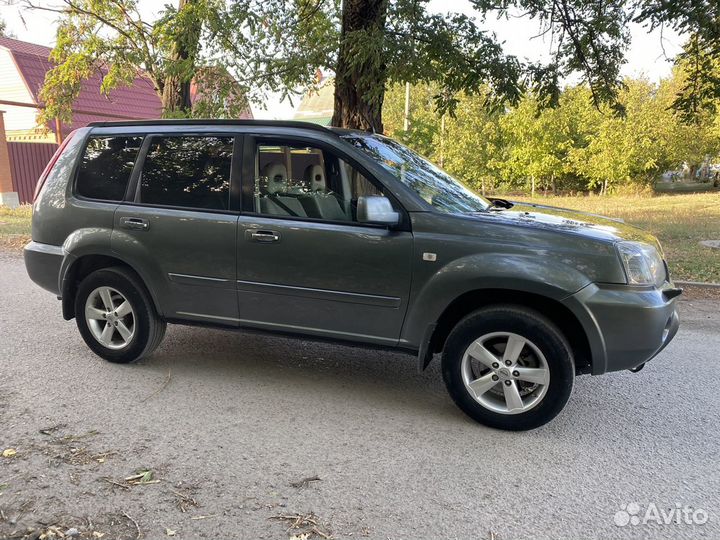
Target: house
x: 318, y: 104
x: 22, y: 73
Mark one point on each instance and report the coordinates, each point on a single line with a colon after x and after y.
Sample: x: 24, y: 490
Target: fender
x: 524, y: 273
x: 81, y: 242
x: 98, y: 241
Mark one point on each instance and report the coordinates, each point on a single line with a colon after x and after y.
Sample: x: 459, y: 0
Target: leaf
x: 169, y: 532
x: 9, y: 453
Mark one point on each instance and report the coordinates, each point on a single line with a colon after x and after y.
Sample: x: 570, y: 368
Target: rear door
x: 305, y: 264
x: 178, y: 226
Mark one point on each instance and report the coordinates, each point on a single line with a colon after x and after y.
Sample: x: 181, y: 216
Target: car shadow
x: 241, y: 362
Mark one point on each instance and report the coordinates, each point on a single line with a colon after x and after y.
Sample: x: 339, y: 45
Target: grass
x: 15, y: 226
x: 680, y: 221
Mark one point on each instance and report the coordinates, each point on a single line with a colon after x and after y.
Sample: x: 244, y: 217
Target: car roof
x: 230, y: 122
x: 209, y: 122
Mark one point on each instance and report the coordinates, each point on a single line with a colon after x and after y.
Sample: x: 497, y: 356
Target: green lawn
x: 679, y: 221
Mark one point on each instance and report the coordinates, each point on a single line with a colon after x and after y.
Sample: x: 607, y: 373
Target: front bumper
x: 625, y: 326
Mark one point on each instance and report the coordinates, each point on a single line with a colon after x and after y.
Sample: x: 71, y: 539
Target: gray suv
x: 293, y: 228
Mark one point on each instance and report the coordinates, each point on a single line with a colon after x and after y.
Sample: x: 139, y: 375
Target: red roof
x: 138, y: 101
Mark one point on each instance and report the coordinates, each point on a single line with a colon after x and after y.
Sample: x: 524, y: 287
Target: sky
x: 645, y: 57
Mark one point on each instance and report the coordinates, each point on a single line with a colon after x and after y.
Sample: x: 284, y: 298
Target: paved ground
x: 227, y: 422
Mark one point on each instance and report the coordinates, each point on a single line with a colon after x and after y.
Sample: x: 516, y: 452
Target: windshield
x: 434, y: 185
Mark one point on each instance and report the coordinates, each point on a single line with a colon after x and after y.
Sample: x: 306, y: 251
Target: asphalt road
x: 227, y: 422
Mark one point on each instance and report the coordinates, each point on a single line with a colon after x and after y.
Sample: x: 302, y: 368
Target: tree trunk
x: 176, y: 97
x: 360, y: 88
x: 532, y: 187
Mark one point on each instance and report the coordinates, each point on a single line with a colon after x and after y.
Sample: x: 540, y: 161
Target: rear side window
x: 189, y: 171
x: 106, y: 167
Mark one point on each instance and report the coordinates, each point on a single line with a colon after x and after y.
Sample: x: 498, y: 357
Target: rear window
x: 188, y: 171
x: 106, y: 167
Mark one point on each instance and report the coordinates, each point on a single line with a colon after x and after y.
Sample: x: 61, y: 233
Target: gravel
x: 228, y: 423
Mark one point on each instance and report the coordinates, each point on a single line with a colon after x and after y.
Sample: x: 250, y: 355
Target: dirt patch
x: 692, y: 292
x: 14, y: 242
x: 110, y: 526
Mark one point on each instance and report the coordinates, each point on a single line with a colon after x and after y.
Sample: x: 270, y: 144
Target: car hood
x: 573, y: 221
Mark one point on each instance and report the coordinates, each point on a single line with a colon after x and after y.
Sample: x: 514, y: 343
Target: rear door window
x: 188, y: 171
x: 106, y: 167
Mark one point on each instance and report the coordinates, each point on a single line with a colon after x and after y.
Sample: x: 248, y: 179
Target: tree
x: 691, y: 136
x: 473, y: 143
x: 242, y: 49
x: 424, y: 122
x: 634, y: 148
x: 388, y: 41
x: 396, y: 41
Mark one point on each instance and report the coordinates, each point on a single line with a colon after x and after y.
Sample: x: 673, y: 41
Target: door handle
x: 264, y: 236
x: 134, y: 223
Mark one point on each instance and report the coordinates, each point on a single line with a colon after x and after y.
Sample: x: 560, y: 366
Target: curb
x: 698, y: 284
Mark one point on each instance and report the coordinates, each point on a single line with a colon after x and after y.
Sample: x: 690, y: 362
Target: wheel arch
x: 82, y: 266
x: 551, y: 308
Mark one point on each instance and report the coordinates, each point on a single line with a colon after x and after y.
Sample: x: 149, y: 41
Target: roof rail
x: 209, y: 122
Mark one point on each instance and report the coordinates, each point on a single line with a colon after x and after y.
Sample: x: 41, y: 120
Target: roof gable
x: 125, y: 102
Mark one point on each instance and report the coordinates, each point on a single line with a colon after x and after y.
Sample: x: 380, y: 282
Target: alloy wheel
x: 505, y: 372
x: 110, y: 317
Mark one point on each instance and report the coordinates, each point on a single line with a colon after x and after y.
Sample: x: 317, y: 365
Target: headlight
x: 642, y: 262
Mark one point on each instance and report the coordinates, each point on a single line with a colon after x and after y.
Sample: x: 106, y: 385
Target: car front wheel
x: 116, y: 316
x: 508, y: 367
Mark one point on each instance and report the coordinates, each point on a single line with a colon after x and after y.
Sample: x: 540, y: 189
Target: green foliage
x: 235, y: 52
x: 424, y: 124
x: 3, y: 27
x: 450, y: 50
x: 573, y: 147
x: 589, y: 38
x: 472, y: 144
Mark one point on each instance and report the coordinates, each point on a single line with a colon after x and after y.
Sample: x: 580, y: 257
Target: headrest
x: 315, y: 177
x: 276, y: 174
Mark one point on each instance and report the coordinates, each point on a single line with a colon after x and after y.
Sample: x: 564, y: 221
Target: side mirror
x: 376, y: 209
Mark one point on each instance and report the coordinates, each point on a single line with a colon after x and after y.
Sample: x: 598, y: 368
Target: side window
x: 106, y: 167
x: 360, y: 185
x: 307, y: 182
x: 191, y: 171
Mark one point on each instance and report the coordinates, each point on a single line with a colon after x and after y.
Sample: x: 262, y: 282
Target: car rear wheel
x: 508, y: 367
x: 116, y: 317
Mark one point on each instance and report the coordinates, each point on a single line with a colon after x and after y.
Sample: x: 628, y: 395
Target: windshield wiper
x: 500, y: 204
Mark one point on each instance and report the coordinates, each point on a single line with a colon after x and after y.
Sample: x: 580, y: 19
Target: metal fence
x: 27, y: 162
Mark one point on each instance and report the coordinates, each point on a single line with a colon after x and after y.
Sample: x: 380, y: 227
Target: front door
x: 178, y: 228
x: 305, y: 264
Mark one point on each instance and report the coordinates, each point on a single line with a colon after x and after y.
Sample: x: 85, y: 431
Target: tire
x: 142, y: 329
x: 486, y: 389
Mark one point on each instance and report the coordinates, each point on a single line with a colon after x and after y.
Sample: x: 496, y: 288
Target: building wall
x: 18, y: 120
